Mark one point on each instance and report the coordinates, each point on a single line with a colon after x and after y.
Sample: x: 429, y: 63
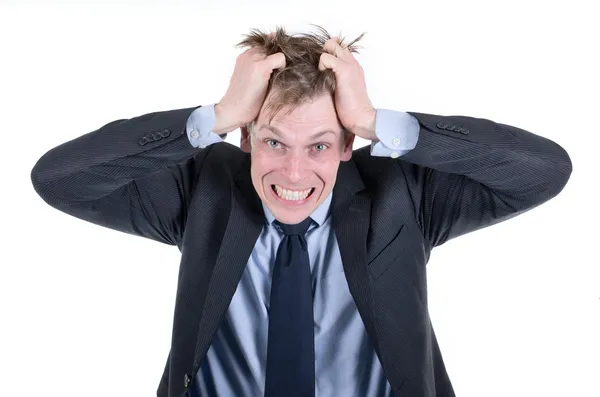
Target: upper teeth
x: 292, y: 194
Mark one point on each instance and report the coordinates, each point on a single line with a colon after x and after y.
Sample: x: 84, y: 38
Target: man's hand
x: 247, y: 90
x: 354, y: 109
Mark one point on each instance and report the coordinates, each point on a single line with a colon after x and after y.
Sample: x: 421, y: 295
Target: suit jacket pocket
x: 390, y: 254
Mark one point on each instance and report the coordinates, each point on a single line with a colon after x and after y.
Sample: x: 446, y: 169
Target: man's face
x: 295, y: 159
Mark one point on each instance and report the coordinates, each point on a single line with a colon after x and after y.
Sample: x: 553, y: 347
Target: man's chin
x: 290, y: 217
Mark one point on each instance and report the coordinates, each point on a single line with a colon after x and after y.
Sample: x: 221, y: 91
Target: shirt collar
x: 319, y: 215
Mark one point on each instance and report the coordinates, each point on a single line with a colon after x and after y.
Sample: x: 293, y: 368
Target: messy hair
x: 301, y: 80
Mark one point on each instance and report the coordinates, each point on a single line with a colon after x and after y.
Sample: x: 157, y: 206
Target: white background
x: 88, y: 311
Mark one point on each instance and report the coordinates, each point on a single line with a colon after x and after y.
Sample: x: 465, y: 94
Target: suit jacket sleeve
x: 475, y: 173
x: 133, y: 175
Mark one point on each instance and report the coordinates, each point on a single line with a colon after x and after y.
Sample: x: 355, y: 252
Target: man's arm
x: 138, y: 175
x: 473, y: 172
x: 134, y: 175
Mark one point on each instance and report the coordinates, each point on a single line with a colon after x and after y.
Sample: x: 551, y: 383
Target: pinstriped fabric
x: 464, y: 174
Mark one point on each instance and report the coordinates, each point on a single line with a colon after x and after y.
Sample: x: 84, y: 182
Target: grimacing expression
x: 295, y: 159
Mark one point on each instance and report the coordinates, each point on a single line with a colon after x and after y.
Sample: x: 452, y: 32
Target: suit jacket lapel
x: 243, y: 229
x: 351, y: 213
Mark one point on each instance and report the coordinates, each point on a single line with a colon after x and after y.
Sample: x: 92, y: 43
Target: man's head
x: 297, y: 141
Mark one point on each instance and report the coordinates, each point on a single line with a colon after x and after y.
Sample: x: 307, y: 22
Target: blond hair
x: 301, y: 80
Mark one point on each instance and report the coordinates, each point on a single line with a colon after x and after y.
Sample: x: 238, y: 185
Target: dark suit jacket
x: 142, y: 176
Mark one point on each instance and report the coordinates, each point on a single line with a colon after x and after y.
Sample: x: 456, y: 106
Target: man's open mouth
x: 292, y: 195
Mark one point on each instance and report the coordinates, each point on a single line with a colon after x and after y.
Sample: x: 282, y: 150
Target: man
x: 303, y: 262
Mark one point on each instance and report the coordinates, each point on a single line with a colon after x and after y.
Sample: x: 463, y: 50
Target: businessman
x: 303, y: 267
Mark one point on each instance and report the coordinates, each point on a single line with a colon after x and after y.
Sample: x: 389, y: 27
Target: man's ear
x: 245, y: 140
x: 347, y: 151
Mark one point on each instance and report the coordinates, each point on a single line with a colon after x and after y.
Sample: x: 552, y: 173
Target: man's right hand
x: 247, y: 90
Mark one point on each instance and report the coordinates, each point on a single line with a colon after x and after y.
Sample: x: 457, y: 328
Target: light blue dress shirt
x: 345, y: 360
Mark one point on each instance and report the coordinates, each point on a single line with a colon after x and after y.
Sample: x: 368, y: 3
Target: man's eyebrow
x: 278, y: 132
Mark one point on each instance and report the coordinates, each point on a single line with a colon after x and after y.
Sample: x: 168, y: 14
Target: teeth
x: 291, y: 194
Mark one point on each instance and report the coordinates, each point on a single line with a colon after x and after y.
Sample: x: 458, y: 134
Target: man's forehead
x: 318, y: 134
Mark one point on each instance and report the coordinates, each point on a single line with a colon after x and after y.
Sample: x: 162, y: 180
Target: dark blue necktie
x: 291, y: 350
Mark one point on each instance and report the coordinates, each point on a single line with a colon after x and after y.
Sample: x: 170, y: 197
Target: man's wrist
x: 366, y: 127
x: 223, y: 123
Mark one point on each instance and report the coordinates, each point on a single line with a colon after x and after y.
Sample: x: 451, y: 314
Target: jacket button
x: 165, y: 133
x: 441, y: 125
x: 143, y: 141
x: 157, y: 136
x: 187, y: 380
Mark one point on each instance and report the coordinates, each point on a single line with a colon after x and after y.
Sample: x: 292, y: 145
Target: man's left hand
x: 353, y: 107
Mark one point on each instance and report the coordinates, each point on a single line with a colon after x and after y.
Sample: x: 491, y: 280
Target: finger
x: 333, y: 47
x: 275, y: 61
x: 253, y: 53
x: 328, y: 61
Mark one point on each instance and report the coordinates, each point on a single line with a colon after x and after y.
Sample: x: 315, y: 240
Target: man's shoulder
x: 227, y: 153
x: 364, y: 159
x: 361, y: 151
x: 380, y: 170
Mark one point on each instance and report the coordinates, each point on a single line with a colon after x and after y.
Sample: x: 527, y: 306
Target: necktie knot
x: 297, y: 229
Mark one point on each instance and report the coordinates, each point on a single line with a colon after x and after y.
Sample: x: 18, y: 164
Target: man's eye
x: 273, y: 143
x: 319, y: 147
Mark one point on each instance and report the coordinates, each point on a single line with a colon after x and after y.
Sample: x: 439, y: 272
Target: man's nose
x: 295, y: 167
